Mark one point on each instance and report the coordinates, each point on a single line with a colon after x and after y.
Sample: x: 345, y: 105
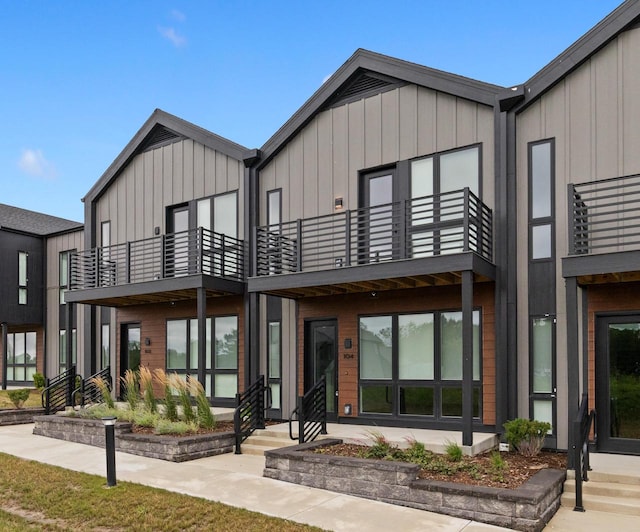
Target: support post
x: 573, y: 361
x: 467, y: 358
x: 5, y: 353
x: 110, y: 448
x: 202, y: 335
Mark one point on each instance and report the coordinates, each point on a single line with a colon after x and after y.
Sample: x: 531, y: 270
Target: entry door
x: 129, y: 350
x: 177, y: 247
x: 321, y: 359
x: 377, y: 194
x: 618, y: 383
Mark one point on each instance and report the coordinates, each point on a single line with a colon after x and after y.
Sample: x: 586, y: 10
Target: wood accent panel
x: 622, y: 297
x: 347, y: 308
x: 153, y: 318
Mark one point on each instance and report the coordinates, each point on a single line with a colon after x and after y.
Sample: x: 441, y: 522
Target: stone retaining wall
x: 527, y: 508
x: 19, y: 416
x: 171, y: 448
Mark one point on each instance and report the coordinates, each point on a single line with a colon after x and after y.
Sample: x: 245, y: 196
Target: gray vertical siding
x: 323, y: 160
x: 594, y: 115
x: 179, y: 172
x: 56, y: 245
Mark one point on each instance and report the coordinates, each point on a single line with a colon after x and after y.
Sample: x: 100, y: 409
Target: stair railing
x: 88, y: 392
x: 310, y: 413
x: 250, y: 408
x: 581, y: 430
x: 58, y: 391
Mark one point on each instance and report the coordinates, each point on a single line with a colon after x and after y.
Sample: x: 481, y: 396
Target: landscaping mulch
x: 518, y: 469
x: 221, y: 426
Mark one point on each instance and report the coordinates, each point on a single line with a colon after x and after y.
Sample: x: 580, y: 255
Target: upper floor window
x: 541, y: 199
x: 63, y: 273
x: 22, y: 277
x: 274, y: 207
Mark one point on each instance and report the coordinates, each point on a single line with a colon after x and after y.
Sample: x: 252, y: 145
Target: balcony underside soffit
x: 609, y: 278
x: 145, y: 299
x: 378, y: 285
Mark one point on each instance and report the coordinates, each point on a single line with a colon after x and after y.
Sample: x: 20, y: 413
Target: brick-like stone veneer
x: 171, y: 448
x: 526, y: 508
x: 19, y: 416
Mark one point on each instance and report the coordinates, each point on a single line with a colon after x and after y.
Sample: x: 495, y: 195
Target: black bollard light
x: 110, y: 446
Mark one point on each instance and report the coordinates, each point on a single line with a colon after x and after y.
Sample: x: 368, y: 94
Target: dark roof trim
x: 365, y: 60
x: 139, y: 141
x: 591, y: 42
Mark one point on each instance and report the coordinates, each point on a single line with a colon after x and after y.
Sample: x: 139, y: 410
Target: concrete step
x: 269, y: 441
x: 607, y: 489
x: 601, y: 476
x: 280, y: 434
x: 601, y: 503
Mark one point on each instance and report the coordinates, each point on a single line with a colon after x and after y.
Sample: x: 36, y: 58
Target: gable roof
x: 35, y: 223
x: 620, y: 19
x: 162, y: 128
x: 366, y: 70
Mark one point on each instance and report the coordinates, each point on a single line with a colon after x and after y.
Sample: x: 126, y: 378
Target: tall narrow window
x: 274, y: 360
x: 107, y: 269
x: 62, y: 349
x: 274, y: 219
x: 22, y: 277
x: 542, y: 378
x: 541, y: 199
x: 105, y: 345
x: 274, y: 207
x: 63, y: 273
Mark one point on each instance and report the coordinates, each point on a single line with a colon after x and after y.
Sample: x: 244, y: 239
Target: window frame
x: 542, y: 221
x: 23, y: 280
x: 12, y: 366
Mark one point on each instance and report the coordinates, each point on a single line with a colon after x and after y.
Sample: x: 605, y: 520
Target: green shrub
x: 102, y: 385
x: 39, y: 380
x: 18, y: 397
x: 381, y: 448
x: 206, y: 419
x: 183, y: 397
x: 454, y: 451
x: 130, y: 383
x: 526, y: 436
x: 498, y: 466
x: 170, y: 406
x: 144, y: 418
x: 146, y: 385
x: 164, y: 426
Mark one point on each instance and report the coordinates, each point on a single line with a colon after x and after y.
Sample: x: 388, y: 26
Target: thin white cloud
x: 326, y: 78
x: 178, y: 15
x: 173, y: 36
x: 33, y: 163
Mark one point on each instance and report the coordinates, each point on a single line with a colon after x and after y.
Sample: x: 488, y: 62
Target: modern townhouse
x: 434, y: 251
x: 34, y: 248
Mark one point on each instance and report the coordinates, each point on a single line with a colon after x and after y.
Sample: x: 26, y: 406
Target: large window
x: 21, y: 356
x: 221, y: 364
x: 436, y: 186
x: 411, y: 364
x: 22, y: 277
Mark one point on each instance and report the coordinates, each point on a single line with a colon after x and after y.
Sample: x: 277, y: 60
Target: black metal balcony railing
x: 197, y: 251
x: 604, y: 216
x: 452, y: 222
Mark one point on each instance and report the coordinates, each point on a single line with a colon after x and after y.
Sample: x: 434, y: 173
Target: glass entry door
x: 321, y: 360
x: 129, y: 351
x: 377, y: 234
x: 618, y: 383
x: 177, y: 243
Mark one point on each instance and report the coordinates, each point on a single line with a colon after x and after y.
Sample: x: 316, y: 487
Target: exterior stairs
x: 265, y: 440
x: 605, y: 492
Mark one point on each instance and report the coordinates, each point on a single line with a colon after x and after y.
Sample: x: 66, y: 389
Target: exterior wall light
x: 338, y: 204
x: 347, y: 409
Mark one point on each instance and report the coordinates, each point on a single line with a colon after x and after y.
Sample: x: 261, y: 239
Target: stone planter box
x: 527, y: 508
x: 19, y: 416
x: 171, y: 448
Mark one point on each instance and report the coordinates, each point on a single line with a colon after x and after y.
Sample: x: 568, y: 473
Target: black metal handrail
x: 58, y: 391
x: 250, y: 408
x: 311, y: 413
x: 451, y: 222
x: 582, y: 425
x: 603, y: 215
x: 193, y: 252
x: 88, y: 392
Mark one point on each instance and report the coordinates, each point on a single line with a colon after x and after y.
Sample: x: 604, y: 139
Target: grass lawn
x: 35, y: 399
x: 42, y: 497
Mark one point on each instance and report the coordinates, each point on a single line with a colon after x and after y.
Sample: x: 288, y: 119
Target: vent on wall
x: 159, y: 136
x: 361, y: 85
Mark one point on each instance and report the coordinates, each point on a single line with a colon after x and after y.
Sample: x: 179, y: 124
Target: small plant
x: 39, y: 380
x: 454, y: 451
x: 146, y: 385
x: 526, y: 435
x: 206, y: 419
x: 183, y: 397
x: 416, y: 452
x: 18, y: 397
x: 164, y: 426
x: 498, y: 466
x: 105, y: 392
x: 381, y: 448
x: 170, y: 406
x: 144, y: 418
x: 129, y: 381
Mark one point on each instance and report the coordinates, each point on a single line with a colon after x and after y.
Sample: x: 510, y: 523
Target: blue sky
x: 79, y: 78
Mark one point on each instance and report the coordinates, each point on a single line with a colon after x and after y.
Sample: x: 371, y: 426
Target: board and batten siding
x: 136, y: 201
x: 56, y: 245
x: 323, y: 160
x: 594, y: 116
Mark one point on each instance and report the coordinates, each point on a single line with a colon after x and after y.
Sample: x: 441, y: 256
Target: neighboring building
x: 445, y: 252
x: 30, y: 292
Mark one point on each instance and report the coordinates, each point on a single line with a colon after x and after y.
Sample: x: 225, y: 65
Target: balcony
x: 164, y: 268
x: 604, y: 231
x: 418, y: 242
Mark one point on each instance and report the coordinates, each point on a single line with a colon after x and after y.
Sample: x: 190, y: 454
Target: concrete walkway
x: 235, y: 480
